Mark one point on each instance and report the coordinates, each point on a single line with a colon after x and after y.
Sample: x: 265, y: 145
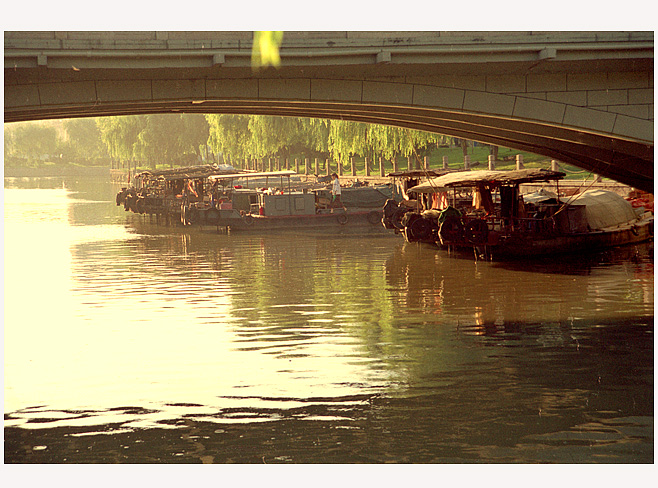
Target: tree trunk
x: 493, y: 150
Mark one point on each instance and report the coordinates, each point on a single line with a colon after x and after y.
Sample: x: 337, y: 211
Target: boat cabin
x: 503, y: 219
x: 480, y: 207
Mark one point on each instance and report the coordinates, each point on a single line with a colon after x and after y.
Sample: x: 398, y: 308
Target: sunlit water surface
x: 132, y: 342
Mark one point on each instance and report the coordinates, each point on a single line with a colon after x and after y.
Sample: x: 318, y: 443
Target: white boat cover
x: 604, y: 208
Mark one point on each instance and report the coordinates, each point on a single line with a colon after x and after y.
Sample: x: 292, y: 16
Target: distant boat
x: 484, y: 211
x: 248, y: 201
x: 280, y: 207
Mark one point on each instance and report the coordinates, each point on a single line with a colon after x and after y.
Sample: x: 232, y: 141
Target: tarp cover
x: 604, y: 208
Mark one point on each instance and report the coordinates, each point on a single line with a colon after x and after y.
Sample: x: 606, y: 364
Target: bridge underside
x: 585, y: 99
x: 625, y: 161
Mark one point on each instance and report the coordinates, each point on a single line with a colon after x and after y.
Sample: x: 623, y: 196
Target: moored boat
x: 169, y: 193
x: 281, y: 207
x: 225, y: 198
x: 401, y: 212
x: 500, y: 221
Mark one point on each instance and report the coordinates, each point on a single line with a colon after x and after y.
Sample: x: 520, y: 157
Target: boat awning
x: 264, y: 174
x: 463, y: 179
x: 187, y: 172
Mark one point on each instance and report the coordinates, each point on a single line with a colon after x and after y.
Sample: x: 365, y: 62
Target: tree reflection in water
x: 178, y: 346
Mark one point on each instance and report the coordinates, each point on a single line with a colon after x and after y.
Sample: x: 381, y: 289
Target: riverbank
x: 569, y: 187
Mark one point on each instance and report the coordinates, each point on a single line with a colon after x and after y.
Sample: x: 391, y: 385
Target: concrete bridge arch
x: 582, y: 98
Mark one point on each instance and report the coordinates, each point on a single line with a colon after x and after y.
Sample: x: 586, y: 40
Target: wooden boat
x: 281, y: 207
x: 405, y: 202
x: 502, y: 222
x: 165, y: 193
x: 224, y: 198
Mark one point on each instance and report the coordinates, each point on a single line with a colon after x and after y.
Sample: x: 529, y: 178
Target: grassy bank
x: 479, y: 156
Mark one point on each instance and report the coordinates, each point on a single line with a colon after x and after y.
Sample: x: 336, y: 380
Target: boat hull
x: 360, y: 220
x: 519, y: 246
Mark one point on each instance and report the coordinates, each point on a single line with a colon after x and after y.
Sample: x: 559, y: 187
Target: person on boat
x: 335, y: 192
x: 190, y: 189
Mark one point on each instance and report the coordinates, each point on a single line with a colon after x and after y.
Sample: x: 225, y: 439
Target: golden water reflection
x: 116, y: 327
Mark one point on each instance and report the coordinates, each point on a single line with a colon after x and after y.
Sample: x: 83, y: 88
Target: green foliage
x: 168, y: 139
x: 348, y: 139
x: 256, y: 136
x: 83, y: 140
x: 195, y: 133
x: 273, y: 135
x: 31, y: 142
x: 121, y: 135
x: 154, y: 138
x: 230, y: 135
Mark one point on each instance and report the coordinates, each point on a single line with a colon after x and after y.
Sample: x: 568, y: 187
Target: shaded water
x: 131, y: 342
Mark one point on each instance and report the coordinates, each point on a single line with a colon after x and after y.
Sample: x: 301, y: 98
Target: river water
x: 132, y: 342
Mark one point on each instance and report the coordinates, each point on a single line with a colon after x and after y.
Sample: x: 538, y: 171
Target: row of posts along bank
x: 124, y: 172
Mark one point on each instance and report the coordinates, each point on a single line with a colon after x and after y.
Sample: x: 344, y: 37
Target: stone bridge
x: 583, y: 98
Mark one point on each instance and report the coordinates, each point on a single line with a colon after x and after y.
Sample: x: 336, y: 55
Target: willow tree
x: 32, y: 141
x: 348, y: 139
x: 274, y: 136
x: 317, y: 131
x: 417, y: 143
x: 193, y: 137
x: 158, y: 141
x: 385, y: 140
x: 121, y: 135
x: 83, y: 140
x: 229, y: 135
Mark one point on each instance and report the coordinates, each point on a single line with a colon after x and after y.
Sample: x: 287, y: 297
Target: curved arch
x: 621, y: 159
x: 582, y: 98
